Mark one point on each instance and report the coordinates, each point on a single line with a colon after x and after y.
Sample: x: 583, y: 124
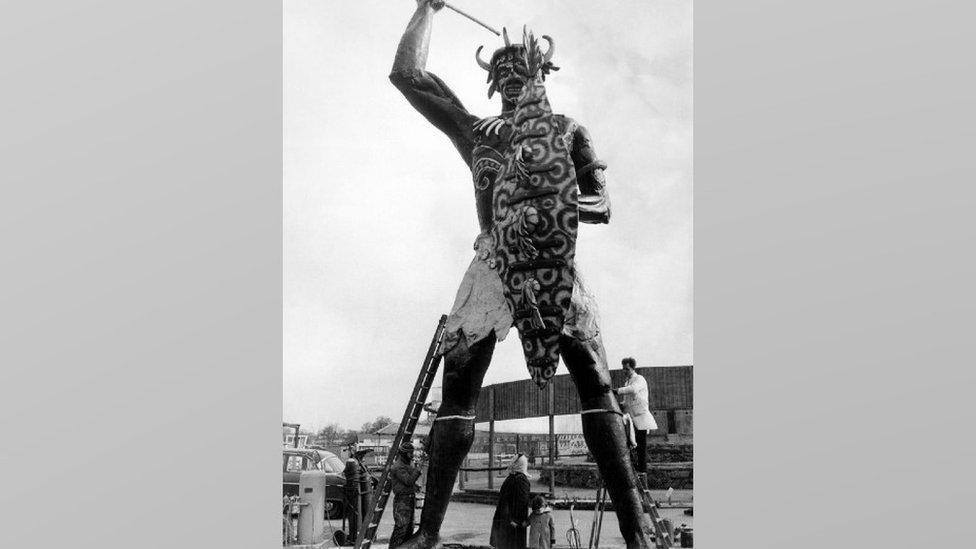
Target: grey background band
x: 140, y: 349
x: 833, y: 301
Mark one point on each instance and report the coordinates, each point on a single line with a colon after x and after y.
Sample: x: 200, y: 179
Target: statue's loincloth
x: 480, y: 307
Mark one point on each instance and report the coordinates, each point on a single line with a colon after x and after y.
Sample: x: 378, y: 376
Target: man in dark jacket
x: 512, y: 514
x: 403, y: 477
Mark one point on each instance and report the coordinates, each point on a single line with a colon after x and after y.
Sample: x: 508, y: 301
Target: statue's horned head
x: 511, y: 66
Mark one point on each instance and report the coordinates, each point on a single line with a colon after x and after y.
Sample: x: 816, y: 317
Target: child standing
x: 542, y: 530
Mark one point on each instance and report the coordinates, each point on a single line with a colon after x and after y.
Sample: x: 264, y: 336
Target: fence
x: 669, y: 394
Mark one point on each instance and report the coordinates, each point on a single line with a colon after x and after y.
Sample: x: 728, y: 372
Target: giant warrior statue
x: 536, y: 176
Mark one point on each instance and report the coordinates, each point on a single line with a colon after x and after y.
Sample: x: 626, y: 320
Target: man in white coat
x: 635, y: 404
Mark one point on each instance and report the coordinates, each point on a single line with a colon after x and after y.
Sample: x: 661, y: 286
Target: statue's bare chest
x: 487, y: 163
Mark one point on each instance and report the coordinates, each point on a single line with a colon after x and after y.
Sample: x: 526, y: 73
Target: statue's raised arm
x: 425, y: 91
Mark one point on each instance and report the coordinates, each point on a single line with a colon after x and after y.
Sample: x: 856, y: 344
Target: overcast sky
x: 379, y: 214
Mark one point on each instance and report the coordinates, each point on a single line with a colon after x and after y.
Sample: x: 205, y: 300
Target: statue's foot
x: 422, y: 540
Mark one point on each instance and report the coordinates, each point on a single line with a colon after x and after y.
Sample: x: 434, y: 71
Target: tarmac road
x: 470, y: 523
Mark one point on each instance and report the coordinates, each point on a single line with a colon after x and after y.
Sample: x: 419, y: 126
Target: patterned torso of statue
x: 536, y: 220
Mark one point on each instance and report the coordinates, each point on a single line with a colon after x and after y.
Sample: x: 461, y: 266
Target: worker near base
x: 403, y: 477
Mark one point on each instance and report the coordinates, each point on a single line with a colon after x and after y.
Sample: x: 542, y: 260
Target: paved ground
x: 470, y: 523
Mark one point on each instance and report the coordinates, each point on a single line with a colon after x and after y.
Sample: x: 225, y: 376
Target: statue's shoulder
x: 567, y: 123
x: 571, y: 121
x: 568, y: 128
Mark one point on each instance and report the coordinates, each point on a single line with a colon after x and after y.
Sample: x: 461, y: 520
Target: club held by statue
x: 458, y: 11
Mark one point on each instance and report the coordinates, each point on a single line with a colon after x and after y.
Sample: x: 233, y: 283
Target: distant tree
x: 375, y: 425
x: 331, y: 433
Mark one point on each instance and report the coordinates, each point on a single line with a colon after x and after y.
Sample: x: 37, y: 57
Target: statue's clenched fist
x: 436, y: 4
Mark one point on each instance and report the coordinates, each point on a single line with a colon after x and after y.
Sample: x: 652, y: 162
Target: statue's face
x: 510, y: 74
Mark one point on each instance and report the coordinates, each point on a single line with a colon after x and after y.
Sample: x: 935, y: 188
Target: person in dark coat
x: 512, y: 514
x: 403, y: 478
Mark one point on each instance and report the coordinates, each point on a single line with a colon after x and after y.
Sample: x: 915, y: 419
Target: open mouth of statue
x: 512, y: 89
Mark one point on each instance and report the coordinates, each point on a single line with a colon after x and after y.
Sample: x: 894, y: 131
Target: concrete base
x: 319, y: 545
x: 468, y: 525
x: 447, y: 545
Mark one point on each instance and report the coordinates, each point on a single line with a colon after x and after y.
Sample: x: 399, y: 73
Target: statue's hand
x: 435, y: 4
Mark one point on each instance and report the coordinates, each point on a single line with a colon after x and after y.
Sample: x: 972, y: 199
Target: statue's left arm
x: 594, y: 202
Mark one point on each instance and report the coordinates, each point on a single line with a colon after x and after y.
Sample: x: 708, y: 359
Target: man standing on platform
x: 403, y: 476
x: 635, y: 403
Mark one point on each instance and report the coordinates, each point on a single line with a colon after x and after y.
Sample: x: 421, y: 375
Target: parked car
x: 296, y: 460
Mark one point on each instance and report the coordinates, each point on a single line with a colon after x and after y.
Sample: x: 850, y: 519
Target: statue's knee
x: 459, y: 396
x: 595, y: 386
x: 585, y: 365
x: 452, y: 429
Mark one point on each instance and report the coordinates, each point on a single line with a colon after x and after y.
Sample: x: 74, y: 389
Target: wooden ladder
x: 662, y: 537
x: 410, y: 416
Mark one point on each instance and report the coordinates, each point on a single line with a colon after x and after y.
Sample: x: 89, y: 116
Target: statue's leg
x: 603, y: 429
x: 452, y: 433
